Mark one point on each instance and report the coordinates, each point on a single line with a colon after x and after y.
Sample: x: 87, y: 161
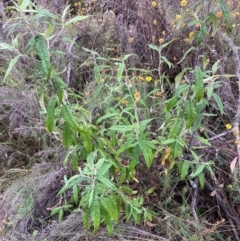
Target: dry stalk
x: 237, y: 115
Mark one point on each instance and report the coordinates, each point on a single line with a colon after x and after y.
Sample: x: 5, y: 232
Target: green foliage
x: 50, y: 118
x: 226, y: 14
x: 114, y: 130
x: 43, y: 54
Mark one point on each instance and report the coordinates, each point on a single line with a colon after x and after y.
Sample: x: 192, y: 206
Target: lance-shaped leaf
x: 50, y: 120
x: 67, y: 135
x: 190, y: 113
x: 199, y: 88
x: 70, y: 118
x: 43, y: 54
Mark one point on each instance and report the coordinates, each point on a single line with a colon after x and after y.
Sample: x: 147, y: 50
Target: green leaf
x: 128, y: 211
x: 65, y: 161
x: 201, y: 179
x: 23, y: 4
x: 96, y: 73
x: 65, y: 11
x: 197, y: 122
x: 181, y: 89
x: 175, y: 153
x: 15, y: 41
x: 166, y: 44
x: 114, y: 201
x: 214, y: 20
x: 147, y: 150
x: 154, y: 47
x: 126, y: 146
x: 110, y: 205
x: 215, y: 67
x: 190, y: 113
x: 168, y: 141
x: 85, y: 217
x: 42, y: 13
x: 205, y: 61
x: 125, y: 57
x: 167, y: 62
x: 10, y: 67
x: 219, y: 103
x: 195, y: 156
x: 175, y: 129
x: 74, y: 161
x: 184, y: 170
x: 49, y: 31
x: 120, y: 70
x: 103, y: 167
x: 179, y: 78
x: 122, y: 176
x: 4, y: 46
x: 209, y: 168
x: 171, y: 102
x: 41, y: 103
x: 87, y: 140
x: 204, y: 141
x: 55, y: 211
x: 199, y: 88
x: 90, y: 198
x: 209, y: 91
x: 60, y: 215
x: 110, y: 229
x: 201, y: 34
x: 123, y: 128
x: 198, y: 171
x: 108, y: 116
x: 226, y: 15
x: 67, y: 135
x: 76, y: 19
x: 95, y: 214
x: 43, y: 54
x: 58, y: 89
x: 108, y: 183
x: 70, y: 118
x: 50, y: 120
x: 134, y: 159
x: 185, y: 55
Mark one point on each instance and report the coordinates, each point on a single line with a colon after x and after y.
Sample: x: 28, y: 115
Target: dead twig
x: 237, y: 115
x: 194, y: 202
x: 69, y: 58
x: 230, y: 216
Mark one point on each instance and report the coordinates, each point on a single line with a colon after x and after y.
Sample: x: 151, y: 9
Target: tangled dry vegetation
x: 31, y: 168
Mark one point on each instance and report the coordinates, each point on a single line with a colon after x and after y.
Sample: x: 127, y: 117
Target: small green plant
x: 125, y: 121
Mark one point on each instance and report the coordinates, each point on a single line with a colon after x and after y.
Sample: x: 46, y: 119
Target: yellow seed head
x: 228, y: 126
x: 154, y: 4
x: 148, y: 78
x: 137, y: 96
x: 125, y: 102
x: 158, y: 94
x: 130, y: 40
x: 161, y: 40
x: 191, y: 34
x: 178, y: 16
x: 219, y: 14
x: 183, y: 3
